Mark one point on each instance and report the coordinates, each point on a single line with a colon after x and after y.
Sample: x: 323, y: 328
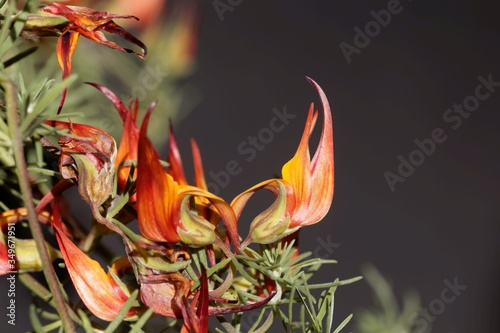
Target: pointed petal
x: 102, y: 296
x: 312, y: 181
x: 66, y: 46
x: 114, y: 28
x: 175, y: 168
x: 199, y: 175
x: 155, y: 189
x: 296, y: 171
x: 202, y: 310
x: 322, y: 165
x: 120, y: 107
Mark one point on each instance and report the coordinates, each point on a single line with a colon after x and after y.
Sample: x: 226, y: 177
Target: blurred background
x: 391, y: 70
x: 442, y: 222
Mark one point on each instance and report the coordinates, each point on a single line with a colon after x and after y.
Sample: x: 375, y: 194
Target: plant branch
x: 24, y: 182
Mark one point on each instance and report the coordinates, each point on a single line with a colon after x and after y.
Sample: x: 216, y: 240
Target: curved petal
x: 312, y: 181
x: 175, y: 167
x: 221, y: 207
x: 155, y: 191
x: 199, y: 175
x: 100, y: 293
x: 273, y: 223
x: 194, y: 230
x: 66, y: 46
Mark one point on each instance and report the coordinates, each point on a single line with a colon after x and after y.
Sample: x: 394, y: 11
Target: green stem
x: 36, y: 230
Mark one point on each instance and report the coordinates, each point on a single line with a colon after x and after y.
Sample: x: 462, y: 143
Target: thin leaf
x: 86, y: 324
x: 137, y: 327
x: 309, y: 309
x: 35, y: 321
x: 19, y: 56
x: 343, y: 324
x: 4, y: 31
x: 120, y: 317
x: 267, y: 324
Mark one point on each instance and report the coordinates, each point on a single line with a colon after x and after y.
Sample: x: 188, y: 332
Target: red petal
x: 174, y: 159
x: 202, y: 310
x: 120, y: 107
x: 199, y: 175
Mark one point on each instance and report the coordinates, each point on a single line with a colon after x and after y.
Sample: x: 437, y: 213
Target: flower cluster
x: 186, y: 258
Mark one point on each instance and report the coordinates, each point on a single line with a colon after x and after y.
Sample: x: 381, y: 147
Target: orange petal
x: 155, y: 191
x: 99, y: 292
x: 322, y: 165
x: 199, y: 175
x: 66, y: 46
x: 312, y: 181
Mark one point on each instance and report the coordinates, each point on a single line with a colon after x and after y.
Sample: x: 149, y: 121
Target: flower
x: 305, y: 192
x: 87, y: 155
x: 99, y: 291
x: 164, y: 209
x: 90, y: 24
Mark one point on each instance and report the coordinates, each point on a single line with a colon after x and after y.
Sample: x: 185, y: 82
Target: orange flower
x: 90, y: 24
x: 305, y: 192
x: 165, y: 211
x: 99, y: 291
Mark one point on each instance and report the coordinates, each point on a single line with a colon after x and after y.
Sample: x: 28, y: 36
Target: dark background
x: 442, y: 222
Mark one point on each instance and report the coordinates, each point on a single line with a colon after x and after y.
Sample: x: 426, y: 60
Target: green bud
x: 43, y: 24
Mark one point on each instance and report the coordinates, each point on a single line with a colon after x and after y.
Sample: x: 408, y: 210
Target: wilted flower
x: 305, y: 192
x: 87, y: 155
x: 80, y: 21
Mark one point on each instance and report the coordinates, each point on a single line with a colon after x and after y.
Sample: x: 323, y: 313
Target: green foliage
x: 387, y: 316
